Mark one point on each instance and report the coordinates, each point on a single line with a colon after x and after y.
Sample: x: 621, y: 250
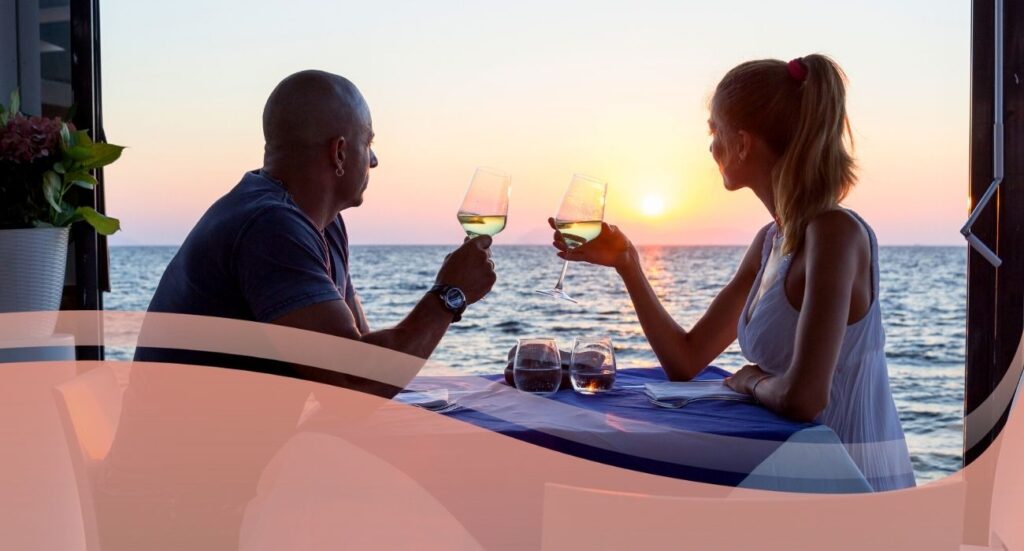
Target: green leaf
x: 77, y: 141
x: 3, y: 115
x: 52, y: 189
x: 79, y: 153
x: 68, y: 216
x: 81, y: 137
x: 81, y: 179
x: 15, y: 102
x: 58, y: 167
x: 104, y: 225
x: 41, y: 224
x: 102, y: 155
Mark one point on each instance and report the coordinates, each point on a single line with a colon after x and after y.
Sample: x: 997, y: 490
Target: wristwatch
x: 453, y: 299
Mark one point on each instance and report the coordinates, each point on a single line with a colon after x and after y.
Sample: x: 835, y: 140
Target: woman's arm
x: 682, y: 353
x: 835, y: 245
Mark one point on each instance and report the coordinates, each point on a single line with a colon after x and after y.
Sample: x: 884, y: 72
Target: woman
x: 804, y: 301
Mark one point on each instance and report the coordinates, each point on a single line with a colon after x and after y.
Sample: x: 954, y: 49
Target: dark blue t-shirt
x: 254, y: 255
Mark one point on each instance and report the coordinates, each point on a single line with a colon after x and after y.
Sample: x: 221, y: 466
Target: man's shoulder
x: 276, y: 218
x: 255, y: 201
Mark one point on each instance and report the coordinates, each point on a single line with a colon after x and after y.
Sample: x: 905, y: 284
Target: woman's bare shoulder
x: 837, y: 228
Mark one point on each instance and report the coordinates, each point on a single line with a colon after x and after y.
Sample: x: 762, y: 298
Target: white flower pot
x: 32, y: 264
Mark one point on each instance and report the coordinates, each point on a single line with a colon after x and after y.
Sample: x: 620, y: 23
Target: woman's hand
x: 744, y: 379
x: 610, y: 248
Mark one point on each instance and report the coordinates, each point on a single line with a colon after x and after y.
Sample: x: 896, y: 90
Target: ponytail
x: 799, y: 110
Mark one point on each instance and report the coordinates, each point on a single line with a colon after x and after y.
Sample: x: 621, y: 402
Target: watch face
x: 454, y: 298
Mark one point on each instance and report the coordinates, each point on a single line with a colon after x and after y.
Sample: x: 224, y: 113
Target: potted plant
x: 41, y: 160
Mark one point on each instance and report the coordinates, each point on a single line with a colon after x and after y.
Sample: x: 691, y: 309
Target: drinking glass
x: 537, y: 367
x: 484, y: 210
x: 592, y: 367
x: 579, y: 219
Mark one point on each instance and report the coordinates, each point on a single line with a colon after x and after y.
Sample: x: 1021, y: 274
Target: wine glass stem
x: 561, y: 277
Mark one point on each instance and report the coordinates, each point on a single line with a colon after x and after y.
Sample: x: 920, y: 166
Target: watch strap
x: 441, y: 289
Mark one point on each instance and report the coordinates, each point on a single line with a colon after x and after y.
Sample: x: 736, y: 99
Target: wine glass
x: 579, y: 219
x: 592, y: 367
x: 484, y: 211
x: 537, y: 367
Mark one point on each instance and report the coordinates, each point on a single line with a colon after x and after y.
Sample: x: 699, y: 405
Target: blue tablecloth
x: 721, y: 442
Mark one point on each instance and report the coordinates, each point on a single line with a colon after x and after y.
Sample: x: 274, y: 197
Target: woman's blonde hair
x: 799, y: 110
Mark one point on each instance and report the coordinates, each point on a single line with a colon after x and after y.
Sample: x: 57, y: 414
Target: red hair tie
x: 797, y: 69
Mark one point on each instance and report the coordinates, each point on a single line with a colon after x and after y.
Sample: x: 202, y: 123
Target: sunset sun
x: 652, y: 205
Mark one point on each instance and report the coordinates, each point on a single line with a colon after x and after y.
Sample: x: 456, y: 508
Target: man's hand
x: 470, y: 269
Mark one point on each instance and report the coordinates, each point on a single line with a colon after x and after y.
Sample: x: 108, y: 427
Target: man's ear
x: 338, y: 146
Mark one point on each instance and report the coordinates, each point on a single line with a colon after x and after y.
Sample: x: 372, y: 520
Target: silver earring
x: 339, y: 172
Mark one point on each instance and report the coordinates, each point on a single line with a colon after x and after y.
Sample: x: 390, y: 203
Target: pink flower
x: 26, y: 139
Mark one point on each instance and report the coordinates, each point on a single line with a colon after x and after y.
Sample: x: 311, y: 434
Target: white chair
x: 928, y: 517
x: 89, y: 407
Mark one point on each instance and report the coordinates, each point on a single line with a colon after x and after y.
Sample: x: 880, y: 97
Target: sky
x: 540, y: 90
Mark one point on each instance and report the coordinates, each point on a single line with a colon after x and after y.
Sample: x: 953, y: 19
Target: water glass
x: 537, y: 367
x: 592, y: 367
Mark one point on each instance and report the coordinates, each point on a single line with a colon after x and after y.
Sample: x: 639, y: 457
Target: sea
x: 923, y: 300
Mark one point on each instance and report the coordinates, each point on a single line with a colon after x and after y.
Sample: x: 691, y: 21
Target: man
x: 275, y: 249
x: 191, y: 443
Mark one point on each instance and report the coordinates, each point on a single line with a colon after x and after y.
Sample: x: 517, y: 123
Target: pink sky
x: 539, y: 91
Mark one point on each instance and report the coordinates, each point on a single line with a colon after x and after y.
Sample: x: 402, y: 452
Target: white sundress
x: 860, y: 408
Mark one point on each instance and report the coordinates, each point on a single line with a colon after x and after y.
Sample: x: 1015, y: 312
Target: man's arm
x: 356, y: 306
x: 469, y: 268
x: 417, y: 335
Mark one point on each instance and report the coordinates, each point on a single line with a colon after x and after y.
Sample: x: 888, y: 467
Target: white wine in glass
x: 579, y: 221
x: 484, y: 211
x: 578, y: 233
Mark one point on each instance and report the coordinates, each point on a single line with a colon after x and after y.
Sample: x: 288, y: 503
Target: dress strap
x: 769, y: 241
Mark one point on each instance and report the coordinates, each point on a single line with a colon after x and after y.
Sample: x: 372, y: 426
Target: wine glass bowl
x: 484, y: 210
x: 578, y: 220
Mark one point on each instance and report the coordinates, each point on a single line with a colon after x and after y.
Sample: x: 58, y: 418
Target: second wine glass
x: 579, y: 220
x: 484, y: 210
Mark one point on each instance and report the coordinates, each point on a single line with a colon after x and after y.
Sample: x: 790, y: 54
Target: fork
x: 447, y: 408
x: 669, y: 405
x: 676, y: 404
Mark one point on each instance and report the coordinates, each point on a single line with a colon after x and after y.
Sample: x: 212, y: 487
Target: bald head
x: 319, y: 140
x: 310, y: 108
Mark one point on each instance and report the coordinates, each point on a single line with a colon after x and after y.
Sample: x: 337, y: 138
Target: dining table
x: 478, y: 470
x: 716, y: 441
